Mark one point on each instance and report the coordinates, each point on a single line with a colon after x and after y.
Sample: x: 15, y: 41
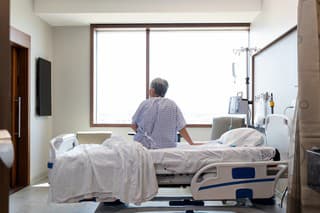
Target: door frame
x: 22, y: 40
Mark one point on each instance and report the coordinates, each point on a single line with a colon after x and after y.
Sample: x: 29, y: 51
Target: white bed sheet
x: 187, y: 159
x: 116, y: 169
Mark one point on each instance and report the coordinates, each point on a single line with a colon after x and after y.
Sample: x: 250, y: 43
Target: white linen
x: 118, y: 169
x: 242, y: 137
x: 187, y: 159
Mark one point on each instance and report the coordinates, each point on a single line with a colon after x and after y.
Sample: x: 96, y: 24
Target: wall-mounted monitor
x: 43, y: 87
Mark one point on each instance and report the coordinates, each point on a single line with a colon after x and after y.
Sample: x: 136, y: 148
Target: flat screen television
x: 43, y: 87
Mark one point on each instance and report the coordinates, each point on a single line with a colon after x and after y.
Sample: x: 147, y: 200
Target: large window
x: 198, y: 62
x: 119, y: 77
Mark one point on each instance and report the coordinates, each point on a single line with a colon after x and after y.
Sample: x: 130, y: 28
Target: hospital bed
x: 213, y: 173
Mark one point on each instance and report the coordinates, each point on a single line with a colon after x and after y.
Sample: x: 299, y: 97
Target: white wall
x: 276, y: 18
x: 276, y: 72
x: 71, y: 83
x: 23, y: 19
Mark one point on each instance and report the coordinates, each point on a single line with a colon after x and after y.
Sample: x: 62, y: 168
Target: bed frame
x: 217, y: 181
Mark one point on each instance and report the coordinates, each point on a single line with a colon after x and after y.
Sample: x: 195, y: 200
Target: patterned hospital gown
x: 158, y: 120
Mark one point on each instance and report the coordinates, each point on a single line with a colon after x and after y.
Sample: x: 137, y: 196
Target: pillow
x: 242, y: 137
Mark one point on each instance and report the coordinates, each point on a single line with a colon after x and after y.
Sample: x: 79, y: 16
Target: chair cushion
x: 221, y: 125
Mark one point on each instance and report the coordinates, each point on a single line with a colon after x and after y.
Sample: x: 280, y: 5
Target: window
x: 119, y: 79
x: 198, y: 63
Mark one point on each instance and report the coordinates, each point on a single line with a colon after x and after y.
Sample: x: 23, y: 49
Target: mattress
x: 187, y: 159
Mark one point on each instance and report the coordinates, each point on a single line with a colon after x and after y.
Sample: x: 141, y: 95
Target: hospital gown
x: 158, y: 120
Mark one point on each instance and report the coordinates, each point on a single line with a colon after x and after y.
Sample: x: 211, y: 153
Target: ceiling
x: 85, y: 12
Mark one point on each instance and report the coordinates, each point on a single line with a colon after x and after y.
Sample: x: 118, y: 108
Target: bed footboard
x: 232, y: 181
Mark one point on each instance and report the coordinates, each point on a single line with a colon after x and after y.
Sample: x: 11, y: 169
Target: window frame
x: 97, y: 27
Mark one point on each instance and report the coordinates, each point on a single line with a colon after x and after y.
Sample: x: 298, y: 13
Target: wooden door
x: 15, y: 112
x: 19, y: 176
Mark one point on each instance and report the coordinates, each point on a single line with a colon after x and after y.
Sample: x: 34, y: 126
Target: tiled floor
x: 35, y: 199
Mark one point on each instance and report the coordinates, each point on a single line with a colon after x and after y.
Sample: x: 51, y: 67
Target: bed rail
x: 59, y: 145
x: 237, y: 180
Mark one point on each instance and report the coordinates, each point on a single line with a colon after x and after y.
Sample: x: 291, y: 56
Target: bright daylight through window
x: 197, y: 62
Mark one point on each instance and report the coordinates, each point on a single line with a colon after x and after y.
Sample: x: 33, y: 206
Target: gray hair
x: 160, y: 86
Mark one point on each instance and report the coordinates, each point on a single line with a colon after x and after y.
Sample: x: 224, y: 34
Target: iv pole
x: 249, y: 52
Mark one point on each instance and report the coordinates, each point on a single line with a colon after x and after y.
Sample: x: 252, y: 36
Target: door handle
x: 19, y: 117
